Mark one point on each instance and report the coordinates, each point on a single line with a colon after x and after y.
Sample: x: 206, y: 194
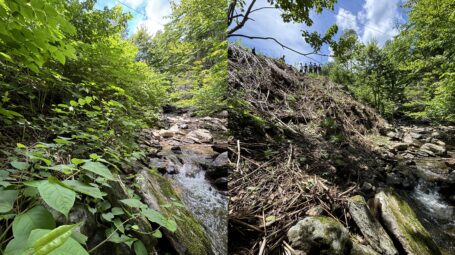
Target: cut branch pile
x: 289, y: 163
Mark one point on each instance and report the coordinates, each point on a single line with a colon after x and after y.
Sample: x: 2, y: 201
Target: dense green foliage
x: 413, y: 74
x: 192, y: 52
x: 75, y: 92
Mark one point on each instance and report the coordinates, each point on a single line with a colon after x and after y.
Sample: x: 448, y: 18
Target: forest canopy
x: 412, y: 74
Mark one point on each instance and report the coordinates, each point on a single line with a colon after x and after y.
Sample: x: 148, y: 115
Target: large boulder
x: 320, y: 235
x: 370, y: 227
x: 401, y: 221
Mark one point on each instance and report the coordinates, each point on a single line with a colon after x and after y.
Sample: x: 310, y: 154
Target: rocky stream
x: 411, y: 211
x: 192, y: 154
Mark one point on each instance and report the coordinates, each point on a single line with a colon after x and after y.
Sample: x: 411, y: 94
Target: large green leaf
x: 99, y: 169
x: 69, y: 247
x: 23, y: 224
x: 44, y: 244
x: 7, y: 198
x: 133, y: 203
x: 84, y: 188
x: 20, y: 165
x: 158, y: 218
x: 37, y: 217
x: 57, y: 196
x: 139, y: 248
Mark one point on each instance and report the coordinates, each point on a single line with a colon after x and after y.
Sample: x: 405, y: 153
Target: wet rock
x: 190, y: 238
x: 401, y: 221
x: 320, y: 235
x: 432, y: 170
x: 158, y: 164
x: 200, y: 136
x: 222, y: 160
x: 436, y: 149
x: 183, y: 126
x: 371, y: 229
x: 219, y: 167
x: 221, y: 183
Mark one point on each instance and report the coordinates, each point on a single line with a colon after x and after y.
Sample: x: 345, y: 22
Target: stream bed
x: 434, y: 212
x: 207, y: 204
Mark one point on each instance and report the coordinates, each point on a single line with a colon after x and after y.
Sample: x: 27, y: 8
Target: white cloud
x: 268, y: 23
x: 133, y: 3
x: 330, y: 59
x: 346, y: 20
x: 156, y: 11
x: 378, y: 18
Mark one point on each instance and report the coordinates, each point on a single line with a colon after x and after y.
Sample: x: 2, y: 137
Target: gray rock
x: 222, y: 160
x: 415, y: 135
x: 398, y: 146
x: 371, y: 229
x: 200, y: 136
x: 166, y: 133
x: 408, y: 139
x: 436, y: 149
x: 320, y: 235
x: 315, y: 211
x: 392, y: 135
x: 366, y: 186
x: 401, y: 221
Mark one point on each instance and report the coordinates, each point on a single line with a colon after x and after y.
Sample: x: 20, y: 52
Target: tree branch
x: 282, y: 45
x: 245, y: 18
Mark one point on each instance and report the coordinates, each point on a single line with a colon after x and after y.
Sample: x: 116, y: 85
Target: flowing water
x: 206, y: 203
x: 434, y: 212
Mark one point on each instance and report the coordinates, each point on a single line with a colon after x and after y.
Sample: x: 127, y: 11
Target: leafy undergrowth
x: 302, y: 149
x: 73, y: 98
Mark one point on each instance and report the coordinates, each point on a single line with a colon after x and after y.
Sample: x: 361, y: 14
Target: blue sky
x: 149, y: 13
x: 372, y: 19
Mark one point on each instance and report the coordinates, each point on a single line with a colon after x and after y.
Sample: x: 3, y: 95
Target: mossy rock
x: 401, y: 221
x: 360, y: 249
x: 320, y: 235
x: 370, y: 227
x: 190, y: 237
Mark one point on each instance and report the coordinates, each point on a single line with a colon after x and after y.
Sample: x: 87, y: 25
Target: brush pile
x: 299, y: 148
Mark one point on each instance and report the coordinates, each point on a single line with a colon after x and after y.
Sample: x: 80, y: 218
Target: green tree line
x: 414, y: 73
